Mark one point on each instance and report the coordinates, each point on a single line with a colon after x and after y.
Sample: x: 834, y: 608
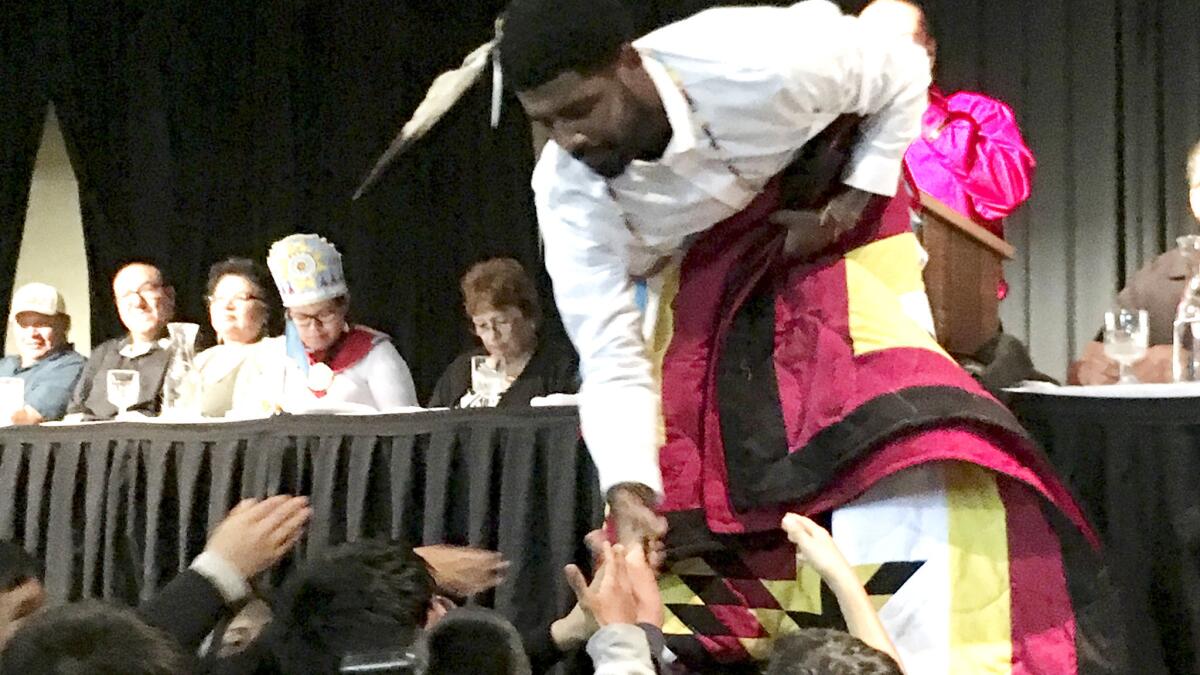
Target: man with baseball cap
x: 47, y: 363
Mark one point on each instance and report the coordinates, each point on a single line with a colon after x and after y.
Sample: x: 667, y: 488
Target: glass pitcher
x: 181, y: 385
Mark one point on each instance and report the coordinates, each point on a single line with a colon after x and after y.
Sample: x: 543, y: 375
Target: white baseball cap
x: 38, y: 297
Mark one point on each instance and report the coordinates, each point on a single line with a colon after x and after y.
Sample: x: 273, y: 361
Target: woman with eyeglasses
x: 502, y: 303
x: 239, y: 308
x: 323, y: 362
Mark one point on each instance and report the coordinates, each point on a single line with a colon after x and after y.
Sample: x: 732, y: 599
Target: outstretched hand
x: 464, y: 571
x: 257, y: 534
x: 815, y: 546
x: 631, y: 508
x: 611, y: 599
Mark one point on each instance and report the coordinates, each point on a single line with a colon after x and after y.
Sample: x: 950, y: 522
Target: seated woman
x: 239, y: 309
x: 502, y: 303
x: 323, y: 362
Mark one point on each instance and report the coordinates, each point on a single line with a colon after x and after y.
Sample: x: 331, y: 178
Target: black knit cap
x: 542, y: 39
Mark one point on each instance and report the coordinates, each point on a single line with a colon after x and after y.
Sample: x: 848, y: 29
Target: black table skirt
x: 115, y: 510
x: 1135, y: 464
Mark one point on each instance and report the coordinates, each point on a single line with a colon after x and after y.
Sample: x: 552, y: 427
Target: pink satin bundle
x: 971, y: 156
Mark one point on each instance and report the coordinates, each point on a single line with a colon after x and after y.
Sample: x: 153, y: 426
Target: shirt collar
x: 679, y: 113
x: 131, y: 350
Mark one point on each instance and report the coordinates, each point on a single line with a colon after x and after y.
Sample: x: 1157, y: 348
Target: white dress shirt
x: 763, y: 81
x: 270, y: 379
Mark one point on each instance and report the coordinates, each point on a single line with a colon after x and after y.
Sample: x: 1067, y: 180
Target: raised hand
x: 463, y: 571
x: 256, y: 534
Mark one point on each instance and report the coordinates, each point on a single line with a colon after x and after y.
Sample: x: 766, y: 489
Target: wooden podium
x: 962, y: 277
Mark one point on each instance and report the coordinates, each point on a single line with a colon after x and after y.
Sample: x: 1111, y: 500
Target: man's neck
x: 656, y: 127
x: 144, y: 338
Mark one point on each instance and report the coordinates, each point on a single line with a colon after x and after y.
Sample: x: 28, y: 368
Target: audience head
x: 478, y: 641
x: 1193, y: 176
x: 575, y: 71
x: 357, y: 598
x: 502, y: 303
x: 21, y: 592
x: 820, y: 651
x: 904, y: 18
x: 308, y: 274
x: 40, y: 318
x: 238, y: 301
x: 145, y: 301
x: 93, y: 638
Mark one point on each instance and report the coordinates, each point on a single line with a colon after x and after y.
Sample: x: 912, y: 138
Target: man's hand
x: 611, y: 599
x: 256, y: 534
x: 1157, y: 366
x: 17, y: 604
x: 463, y: 571
x: 633, y: 515
x: 1093, y: 367
x: 643, y: 583
x: 811, y: 231
x: 816, y: 546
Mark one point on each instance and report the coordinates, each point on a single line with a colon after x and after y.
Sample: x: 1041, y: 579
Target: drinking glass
x: 12, y: 397
x: 1126, y: 337
x: 486, y: 380
x: 123, y: 389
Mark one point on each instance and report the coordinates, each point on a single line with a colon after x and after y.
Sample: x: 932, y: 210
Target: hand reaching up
x: 816, y: 546
x: 463, y: 571
x: 257, y: 534
x: 611, y: 600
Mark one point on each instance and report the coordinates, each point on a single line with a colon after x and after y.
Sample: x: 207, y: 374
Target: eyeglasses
x: 146, y: 292
x: 325, y: 318
x: 498, y: 324
x: 237, y: 299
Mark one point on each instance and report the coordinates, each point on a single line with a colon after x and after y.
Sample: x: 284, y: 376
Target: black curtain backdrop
x: 202, y: 130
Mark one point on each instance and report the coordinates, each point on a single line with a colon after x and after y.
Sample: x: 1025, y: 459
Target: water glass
x: 124, y: 388
x: 1126, y: 338
x: 12, y: 397
x: 486, y: 381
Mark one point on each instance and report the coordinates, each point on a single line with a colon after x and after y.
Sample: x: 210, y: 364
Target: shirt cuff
x: 621, y: 426
x: 874, y: 173
x: 620, y: 645
x: 221, y: 573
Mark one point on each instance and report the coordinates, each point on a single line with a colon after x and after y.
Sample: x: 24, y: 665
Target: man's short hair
x: 359, y: 597
x: 821, y: 651
x: 94, y: 638
x: 16, y: 566
x: 542, y: 39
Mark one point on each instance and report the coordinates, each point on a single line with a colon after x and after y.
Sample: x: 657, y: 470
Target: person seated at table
x: 322, y: 362
x: 45, y: 361
x: 502, y: 303
x: 1156, y: 288
x: 239, y: 308
x: 145, y: 304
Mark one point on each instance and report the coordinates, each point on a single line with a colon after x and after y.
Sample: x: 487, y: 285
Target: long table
x: 1135, y: 464
x: 116, y: 509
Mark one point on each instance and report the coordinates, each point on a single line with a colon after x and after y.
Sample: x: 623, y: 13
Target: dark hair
x: 821, y: 651
x: 257, y: 275
x: 94, y: 638
x: 16, y: 566
x: 500, y: 283
x: 542, y: 39
x: 478, y: 641
x: 358, y: 597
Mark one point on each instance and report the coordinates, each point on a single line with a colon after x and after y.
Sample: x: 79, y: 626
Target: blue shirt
x: 48, y: 382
